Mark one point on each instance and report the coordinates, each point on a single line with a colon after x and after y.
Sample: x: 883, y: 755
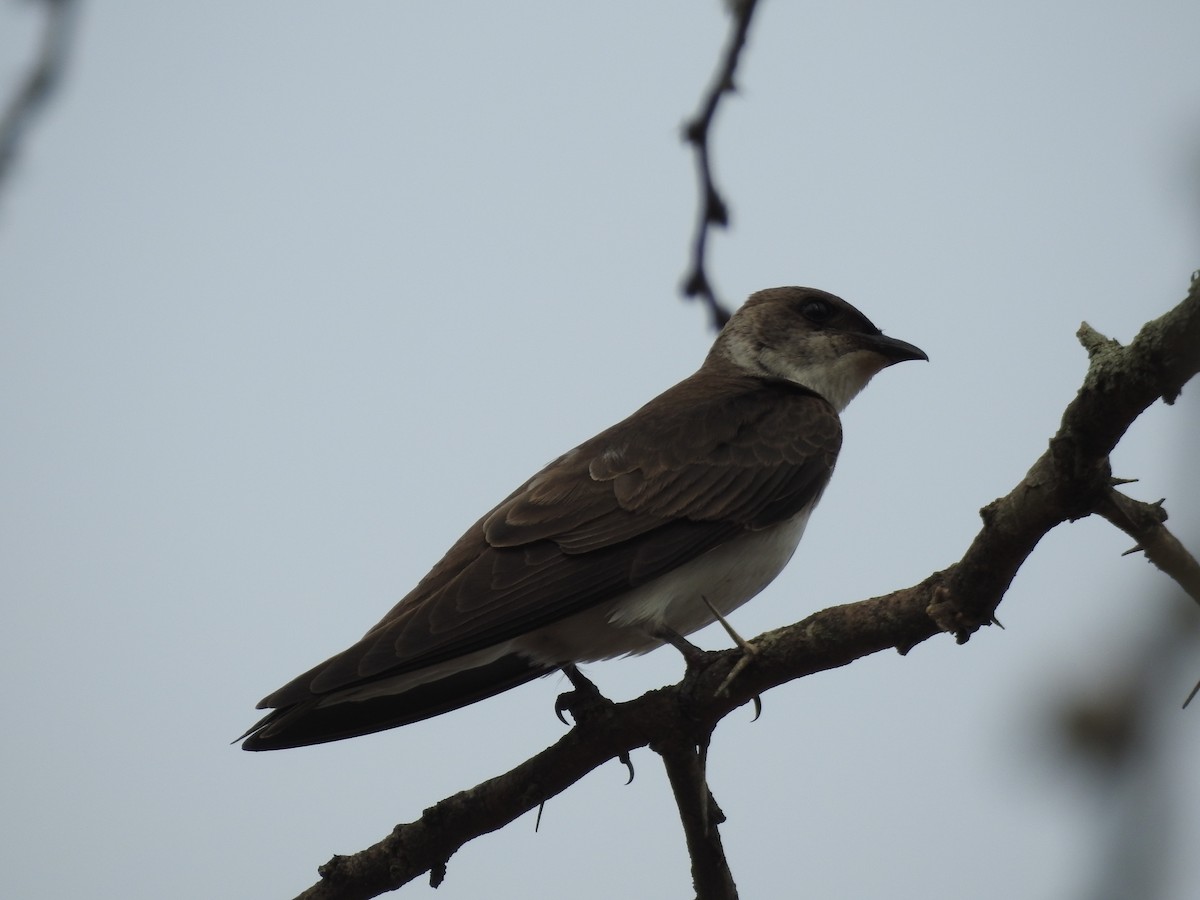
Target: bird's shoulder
x: 717, y: 419
x: 715, y: 446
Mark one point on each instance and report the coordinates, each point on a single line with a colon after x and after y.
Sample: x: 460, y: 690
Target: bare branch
x: 712, y: 208
x: 686, y: 764
x: 1072, y: 477
x: 39, y: 84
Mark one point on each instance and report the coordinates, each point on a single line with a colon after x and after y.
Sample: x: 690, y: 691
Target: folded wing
x: 635, y: 502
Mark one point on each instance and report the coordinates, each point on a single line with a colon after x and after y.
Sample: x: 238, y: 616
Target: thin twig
x: 43, y: 77
x: 712, y: 208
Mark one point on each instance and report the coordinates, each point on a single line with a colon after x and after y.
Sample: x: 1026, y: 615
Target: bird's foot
x: 585, y: 700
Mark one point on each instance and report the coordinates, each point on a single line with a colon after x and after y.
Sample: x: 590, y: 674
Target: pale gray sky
x: 291, y: 293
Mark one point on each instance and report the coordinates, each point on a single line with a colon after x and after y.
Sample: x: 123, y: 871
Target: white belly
x: 727, y: 577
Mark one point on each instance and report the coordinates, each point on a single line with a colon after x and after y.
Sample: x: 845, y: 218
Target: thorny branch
x: 1144, y: 522
x: 712, y: 209
x: 1070, y: 480
x: 686, y: 762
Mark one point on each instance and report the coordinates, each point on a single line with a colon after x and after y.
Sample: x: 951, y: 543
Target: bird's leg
x: 692, y: 655
x: 579, y: 681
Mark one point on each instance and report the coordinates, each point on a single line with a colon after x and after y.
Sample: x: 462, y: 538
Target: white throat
x: 838, y: 381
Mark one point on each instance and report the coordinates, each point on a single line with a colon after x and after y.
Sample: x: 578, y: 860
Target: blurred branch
x: 1069, y: 481
x: 713, y: 211
x: 1116, y: 731
x: 39, y: 83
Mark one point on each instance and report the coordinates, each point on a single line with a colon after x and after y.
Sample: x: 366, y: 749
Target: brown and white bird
x: 693, y: 503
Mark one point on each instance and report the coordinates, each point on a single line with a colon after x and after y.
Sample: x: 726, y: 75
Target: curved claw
x: 561, y: 705
x: 584, y: 699
x: 624, y: 758
x: 757, y: 707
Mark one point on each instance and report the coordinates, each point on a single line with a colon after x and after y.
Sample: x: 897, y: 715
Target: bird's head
x: 809, y: 337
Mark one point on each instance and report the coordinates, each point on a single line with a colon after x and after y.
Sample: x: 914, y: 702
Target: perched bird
x: 692, y: 504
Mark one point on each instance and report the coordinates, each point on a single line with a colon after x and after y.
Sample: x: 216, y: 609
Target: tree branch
x: 1069, y: 481
x: 1072, y: 478
x: 712, y: 208
x: 686, y: 764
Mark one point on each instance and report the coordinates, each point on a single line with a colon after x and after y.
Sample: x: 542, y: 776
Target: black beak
x: 896, y: 350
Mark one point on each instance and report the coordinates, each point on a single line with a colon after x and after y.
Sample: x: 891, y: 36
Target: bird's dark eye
x: 817, y: 311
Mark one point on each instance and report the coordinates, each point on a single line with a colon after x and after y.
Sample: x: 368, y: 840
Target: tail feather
x: 307, y: 722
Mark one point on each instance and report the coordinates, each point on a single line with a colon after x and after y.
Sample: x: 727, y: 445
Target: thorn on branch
x: 715, y: 210
x: 1145, y: 523
x: 1192, y: 695
x: 696, y: 283
x: 437, y: 874
x: 748, y: 650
